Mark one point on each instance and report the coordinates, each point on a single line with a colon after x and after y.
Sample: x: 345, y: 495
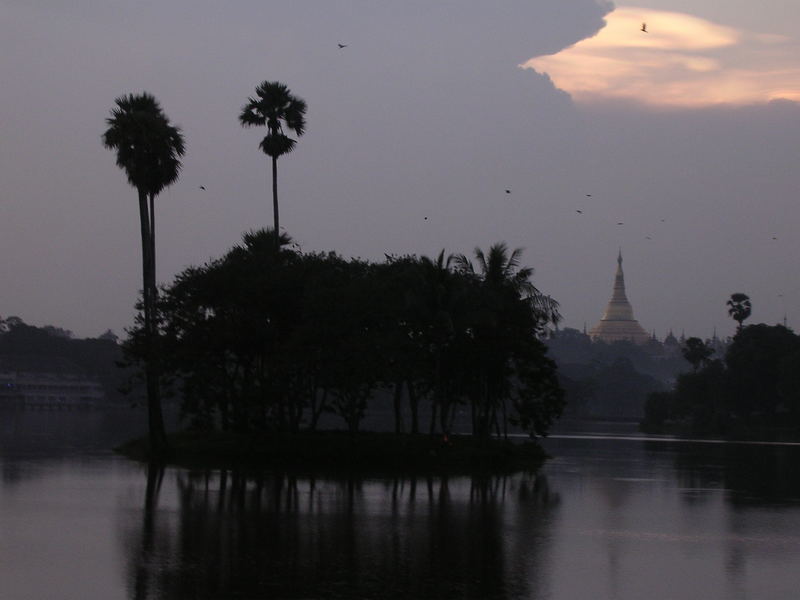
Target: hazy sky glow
x: 682, y: 60
x: 426, y: 113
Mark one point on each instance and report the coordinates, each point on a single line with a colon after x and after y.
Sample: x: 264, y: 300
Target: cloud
x: 681, y: 61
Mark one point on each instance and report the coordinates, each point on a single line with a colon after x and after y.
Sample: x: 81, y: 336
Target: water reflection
x: 607, y: 518
x: 750, y: 474
x: 290, y: 536
x: 45, y: 433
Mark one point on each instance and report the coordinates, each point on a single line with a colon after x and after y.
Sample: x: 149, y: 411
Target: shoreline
x: 337, y: 451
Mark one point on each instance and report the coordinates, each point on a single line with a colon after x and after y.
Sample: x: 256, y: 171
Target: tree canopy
x: 266, y: 339
x: 754, y: 391
x: 739, y: 308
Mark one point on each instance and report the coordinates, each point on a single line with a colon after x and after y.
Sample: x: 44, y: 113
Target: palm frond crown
x: 148, y: 147
x: 274, y: 106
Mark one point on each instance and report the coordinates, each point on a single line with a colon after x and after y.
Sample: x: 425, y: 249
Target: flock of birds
x: 508, y: 191
x: 643, y: 29
x: 580, y: 212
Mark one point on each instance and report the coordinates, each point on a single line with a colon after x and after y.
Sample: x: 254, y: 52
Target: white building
x: 47, y: 383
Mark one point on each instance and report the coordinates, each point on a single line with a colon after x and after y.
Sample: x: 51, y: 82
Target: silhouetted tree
x: 440, y: 307
x: 275, y: 106
x: 789, y: 387
x: 754, y: 362
x: 148, y: 149
x: 739, y: 308
x: 507, y: 310
x: 108, y: 335
x: 500, y: 270
x: 696, y: 352
x: 754, y: 392
x: 266, y: 339
x: 401, y: 303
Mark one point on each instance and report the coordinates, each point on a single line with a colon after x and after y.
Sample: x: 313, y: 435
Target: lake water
x: 613, y: 515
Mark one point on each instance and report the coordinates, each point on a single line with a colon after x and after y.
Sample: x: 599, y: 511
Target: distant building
x: 46, y: 382
x: 618, y: 323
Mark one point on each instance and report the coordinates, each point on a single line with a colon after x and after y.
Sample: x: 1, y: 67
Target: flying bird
x: 620, y: 223
x: 342, y: 46
x: 202, y: 187
x: 774, y: 238
x: 580, y: 212
x: 644, y: 28
x: 426, y: 218
x: 588, y: 195
x: 508, y: 191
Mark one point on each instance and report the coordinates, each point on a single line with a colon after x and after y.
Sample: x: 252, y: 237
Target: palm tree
x: 275, y: 107
x: 739, y: 308
x: 510, y: 311
x: 440, y: 311
x: 499, y: 269
x: 148, y: 149
x: 696, y: 352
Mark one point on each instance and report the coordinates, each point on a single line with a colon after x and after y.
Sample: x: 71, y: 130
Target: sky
x: 688, y: 134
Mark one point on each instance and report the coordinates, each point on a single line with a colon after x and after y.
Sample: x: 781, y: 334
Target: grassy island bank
x: 332, y: 451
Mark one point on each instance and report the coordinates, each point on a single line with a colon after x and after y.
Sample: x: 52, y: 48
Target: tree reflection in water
x: 289, y: 536
x: 752, y: 474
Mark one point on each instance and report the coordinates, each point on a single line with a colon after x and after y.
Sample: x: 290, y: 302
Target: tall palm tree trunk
x: 398, y: 397
x: 158, y: 437
x: 152, y: 272
x: 275, y: 202
x: 413, y: 403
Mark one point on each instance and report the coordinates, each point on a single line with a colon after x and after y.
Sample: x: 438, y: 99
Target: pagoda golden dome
x: 618, y: 323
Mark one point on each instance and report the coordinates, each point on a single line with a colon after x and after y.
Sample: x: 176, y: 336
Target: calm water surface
x: 613, y: 515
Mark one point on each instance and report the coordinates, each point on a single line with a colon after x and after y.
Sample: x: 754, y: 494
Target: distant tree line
x: 270, y: 339
x: 96, y: 357
x: 657, y: 359
x: 754, y: 390
x: 612, y: 380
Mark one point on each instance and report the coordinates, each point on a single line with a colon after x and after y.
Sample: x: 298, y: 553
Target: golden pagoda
x: 618, y: 323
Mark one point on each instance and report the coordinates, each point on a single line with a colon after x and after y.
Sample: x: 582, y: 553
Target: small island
x: 260, y: 344
x: 269, y: 350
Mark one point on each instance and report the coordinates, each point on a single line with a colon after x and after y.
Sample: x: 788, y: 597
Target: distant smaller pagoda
x: 618, y: 323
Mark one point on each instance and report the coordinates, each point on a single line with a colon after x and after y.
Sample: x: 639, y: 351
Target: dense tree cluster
x: 268, y: 339
x: 754, y: 390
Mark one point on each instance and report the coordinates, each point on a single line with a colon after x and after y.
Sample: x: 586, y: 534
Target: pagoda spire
x: 619, y: 309
x: 618, y: 322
